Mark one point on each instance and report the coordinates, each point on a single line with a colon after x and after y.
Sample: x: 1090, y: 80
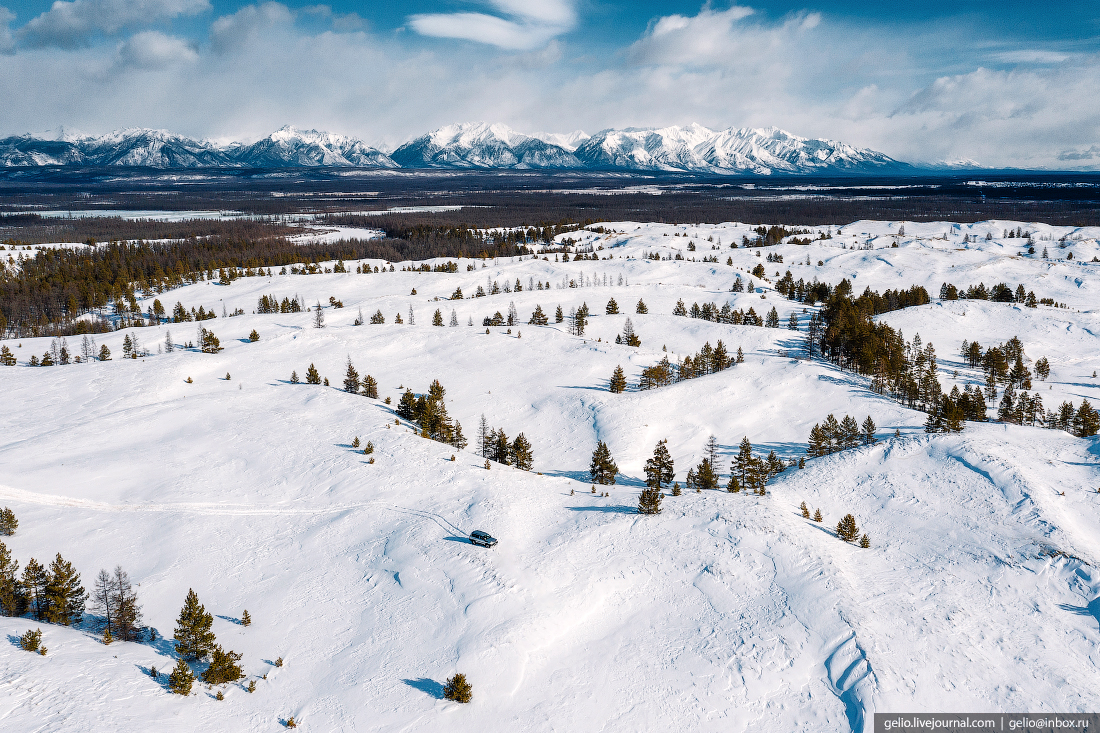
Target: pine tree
x: 869, y: 428
x: 704, y: 478
x: 127, y: 612
x: 254, y: 336
x: 650, y: 501
x: 818, y: 443
x: 772, y: 319
x: 370, y: 387
x: 792, y: 322
x: 103, y: 597
x: 318, y: 316
x: 12, y: 600
x: 817, y: 516
x: 437, y: 318
x: 846, y: 528
x: 618, y: 381
x: 65, y: 596
x: 538, y: 318
x: 641, y: 307
x: 865, y: 541
x: 520, y: 453
x: 312, y: 375
x: 805, y: 510
x: 1086, y: 422
x: 34, y: 582
x: 454, y: 318
x: 194, y: 639
x: 209, y: 343
x: 294, y: 377
x: 484, y: 438
x: 458, y: 689
x: 612, y: 308
x: 377, y: 318
x: 742, y: 462
x: 603, y: 468
x: 223, y: 667
x: 8, y: 522
x: 351, y: 378
x: 559, y: 316
x: 680, y: 309
x: 659, y: 468
x: 181, y: 679
x: 6, y: 357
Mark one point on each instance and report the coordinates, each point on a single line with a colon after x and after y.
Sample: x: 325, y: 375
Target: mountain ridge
x: 467, y: 146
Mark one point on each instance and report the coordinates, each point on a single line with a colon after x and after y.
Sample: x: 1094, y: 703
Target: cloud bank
x: 97, y: 65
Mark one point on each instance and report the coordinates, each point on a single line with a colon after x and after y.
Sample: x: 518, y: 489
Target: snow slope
x: 725, y: 612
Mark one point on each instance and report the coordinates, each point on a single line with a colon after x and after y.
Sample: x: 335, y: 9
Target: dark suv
x: 484, y: 539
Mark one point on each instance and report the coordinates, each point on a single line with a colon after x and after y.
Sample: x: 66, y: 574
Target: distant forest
x: 45, y: 294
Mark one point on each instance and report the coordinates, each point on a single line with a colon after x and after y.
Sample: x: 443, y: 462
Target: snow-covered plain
x: 726, y: 612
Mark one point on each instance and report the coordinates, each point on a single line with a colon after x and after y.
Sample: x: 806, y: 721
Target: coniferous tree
x: 12, y: 600
x: 6, y: 357
x: 8, y: 522
x: 538, y: 318
x: 702, y: 477
x: 223, y: 667
x: 817, y: 516
x: 254, y: 336
x: 312, y: 375
x: 194, y: 639
x: 742, y: 462
x: 559, y: 316
x: 659, y: 468
x: 772, y: 319
x: 520, y: 453
x: 458, y: 440
x: 458, y: 689
x: 377, y: 318
x: 805, y: 510
x: 680, y: 309
x: 294, y: 377
x: 846, y: 528
x: 351, y: 379
x: 603, y: 468
x: 65, y: 596
x: 792, y: 322
x: 649, y: 502
x: 246, y: 619
x: 208, y: 342
x: 865, y: 541
x: 818, y: 443
x: 612, y: 308
x: 370, y: 387
x: 181, y: 679
x: 127, y: 611
x: 618, y: 381
x: 103, y: 597
x: 484, y: 438
x: 641, y: 307
x: 869, y: 428
x: 318, y: 316
x: 34, y: 582
x: 1086, y: 422
x: 454, y: 318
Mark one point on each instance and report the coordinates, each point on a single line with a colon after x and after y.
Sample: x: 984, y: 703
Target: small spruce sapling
x: 254, y: 336
x: 293, y: 377
x: 369, y: 448
x: 355, y: 443
x: 8, y: 522
x: 246, y: 620
x: 220, y: 695
x: 865, y: 542
x: 31, y: 641
x: 817, y: 516
x: 458, y: 689
x: 252, y: 685
x: 805, y: 510
x: 279, y: 662
x: 181, y: 679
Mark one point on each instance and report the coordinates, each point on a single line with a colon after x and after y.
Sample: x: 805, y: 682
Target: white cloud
x: 266, y: 66
x: 154, y: 50
x: 526, y: 24
x: 7, y: 42
x: 234, y: 32
x: 74, y: 24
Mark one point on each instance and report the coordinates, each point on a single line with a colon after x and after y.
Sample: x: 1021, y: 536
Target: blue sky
x: 1004, y: 84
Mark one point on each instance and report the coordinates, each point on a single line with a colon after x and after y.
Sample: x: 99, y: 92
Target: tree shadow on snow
x: 583, y: 477
x: 1092, y: 609
x: 230, y: 619
x: 427, y: 686
x: 14, y: 641
x: 617, y: 509
x: 161, y: 678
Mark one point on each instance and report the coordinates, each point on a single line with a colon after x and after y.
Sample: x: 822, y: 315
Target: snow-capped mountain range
x: 690, y: 149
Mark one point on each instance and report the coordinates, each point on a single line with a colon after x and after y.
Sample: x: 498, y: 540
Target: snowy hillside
x: 724, y: 612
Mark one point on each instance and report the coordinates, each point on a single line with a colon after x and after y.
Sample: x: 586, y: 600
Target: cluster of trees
x: 196, y: 641
x: 493, y: 445
x: 353, y: 383
x: 999, y: 293
x: 271, y: 304
x: 832, y: 435
x: 709, y: 360
x: 52, y: 594
x: 726, y: 314
x: 995, y: 362
x: 628, y: 336
x: 429, y: 412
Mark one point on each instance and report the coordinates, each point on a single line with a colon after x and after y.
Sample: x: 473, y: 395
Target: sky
x: 1002, y: 84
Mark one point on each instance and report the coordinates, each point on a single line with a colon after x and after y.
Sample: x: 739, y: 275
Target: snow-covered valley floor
x: 726, y: 612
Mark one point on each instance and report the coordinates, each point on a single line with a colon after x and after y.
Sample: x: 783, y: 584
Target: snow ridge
x: 470, y: 145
